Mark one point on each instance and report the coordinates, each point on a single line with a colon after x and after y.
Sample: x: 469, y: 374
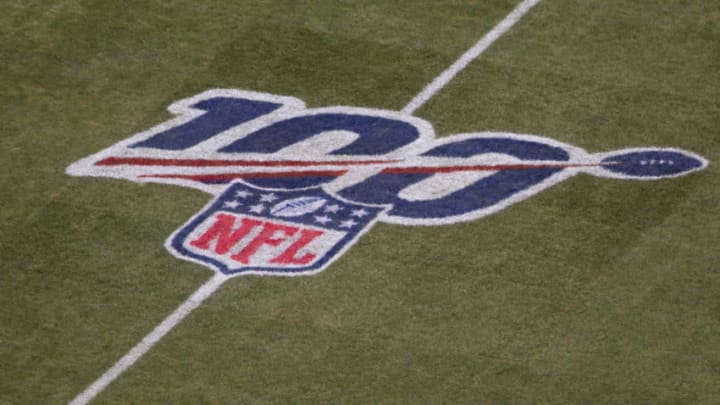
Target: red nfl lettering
x: 266, y: 237
x: 221, y: 231
x: 228, y: 238
x: 253, y: 230
x: 289, y: 255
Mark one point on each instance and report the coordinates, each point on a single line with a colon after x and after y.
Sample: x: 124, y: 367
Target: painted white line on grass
x: 216, y: 281
x: 472, y: 53
x: 149, y: 341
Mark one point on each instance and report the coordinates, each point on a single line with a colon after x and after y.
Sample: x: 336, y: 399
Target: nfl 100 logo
x: 296, y: 187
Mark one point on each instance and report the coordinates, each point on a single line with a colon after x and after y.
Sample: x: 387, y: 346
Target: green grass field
x: 594, y: 291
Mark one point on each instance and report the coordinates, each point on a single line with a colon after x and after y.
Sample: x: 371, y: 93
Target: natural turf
x: 594, y: 291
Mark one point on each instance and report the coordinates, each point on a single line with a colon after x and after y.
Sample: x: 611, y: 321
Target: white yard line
x: 216, y: 281
x: 472, y: 53
x: 149, y: 341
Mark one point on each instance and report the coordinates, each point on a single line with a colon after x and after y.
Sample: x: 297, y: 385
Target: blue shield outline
x: 371, y: 214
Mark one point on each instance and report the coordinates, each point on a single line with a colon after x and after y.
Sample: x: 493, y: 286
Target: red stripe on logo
x: 481, y: 168
x: 230, y: 176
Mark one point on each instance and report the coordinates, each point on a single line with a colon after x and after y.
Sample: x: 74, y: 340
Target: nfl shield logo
x: 251, y: 230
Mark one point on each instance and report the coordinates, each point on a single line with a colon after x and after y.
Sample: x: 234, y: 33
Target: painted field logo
x: 295, y: 187
x: 255, y: 231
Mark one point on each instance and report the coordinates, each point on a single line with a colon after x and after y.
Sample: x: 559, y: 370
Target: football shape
x: 653, y: 163
x: 297, y: 206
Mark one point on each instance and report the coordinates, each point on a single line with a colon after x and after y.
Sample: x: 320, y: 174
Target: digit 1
x: 221, y: 114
